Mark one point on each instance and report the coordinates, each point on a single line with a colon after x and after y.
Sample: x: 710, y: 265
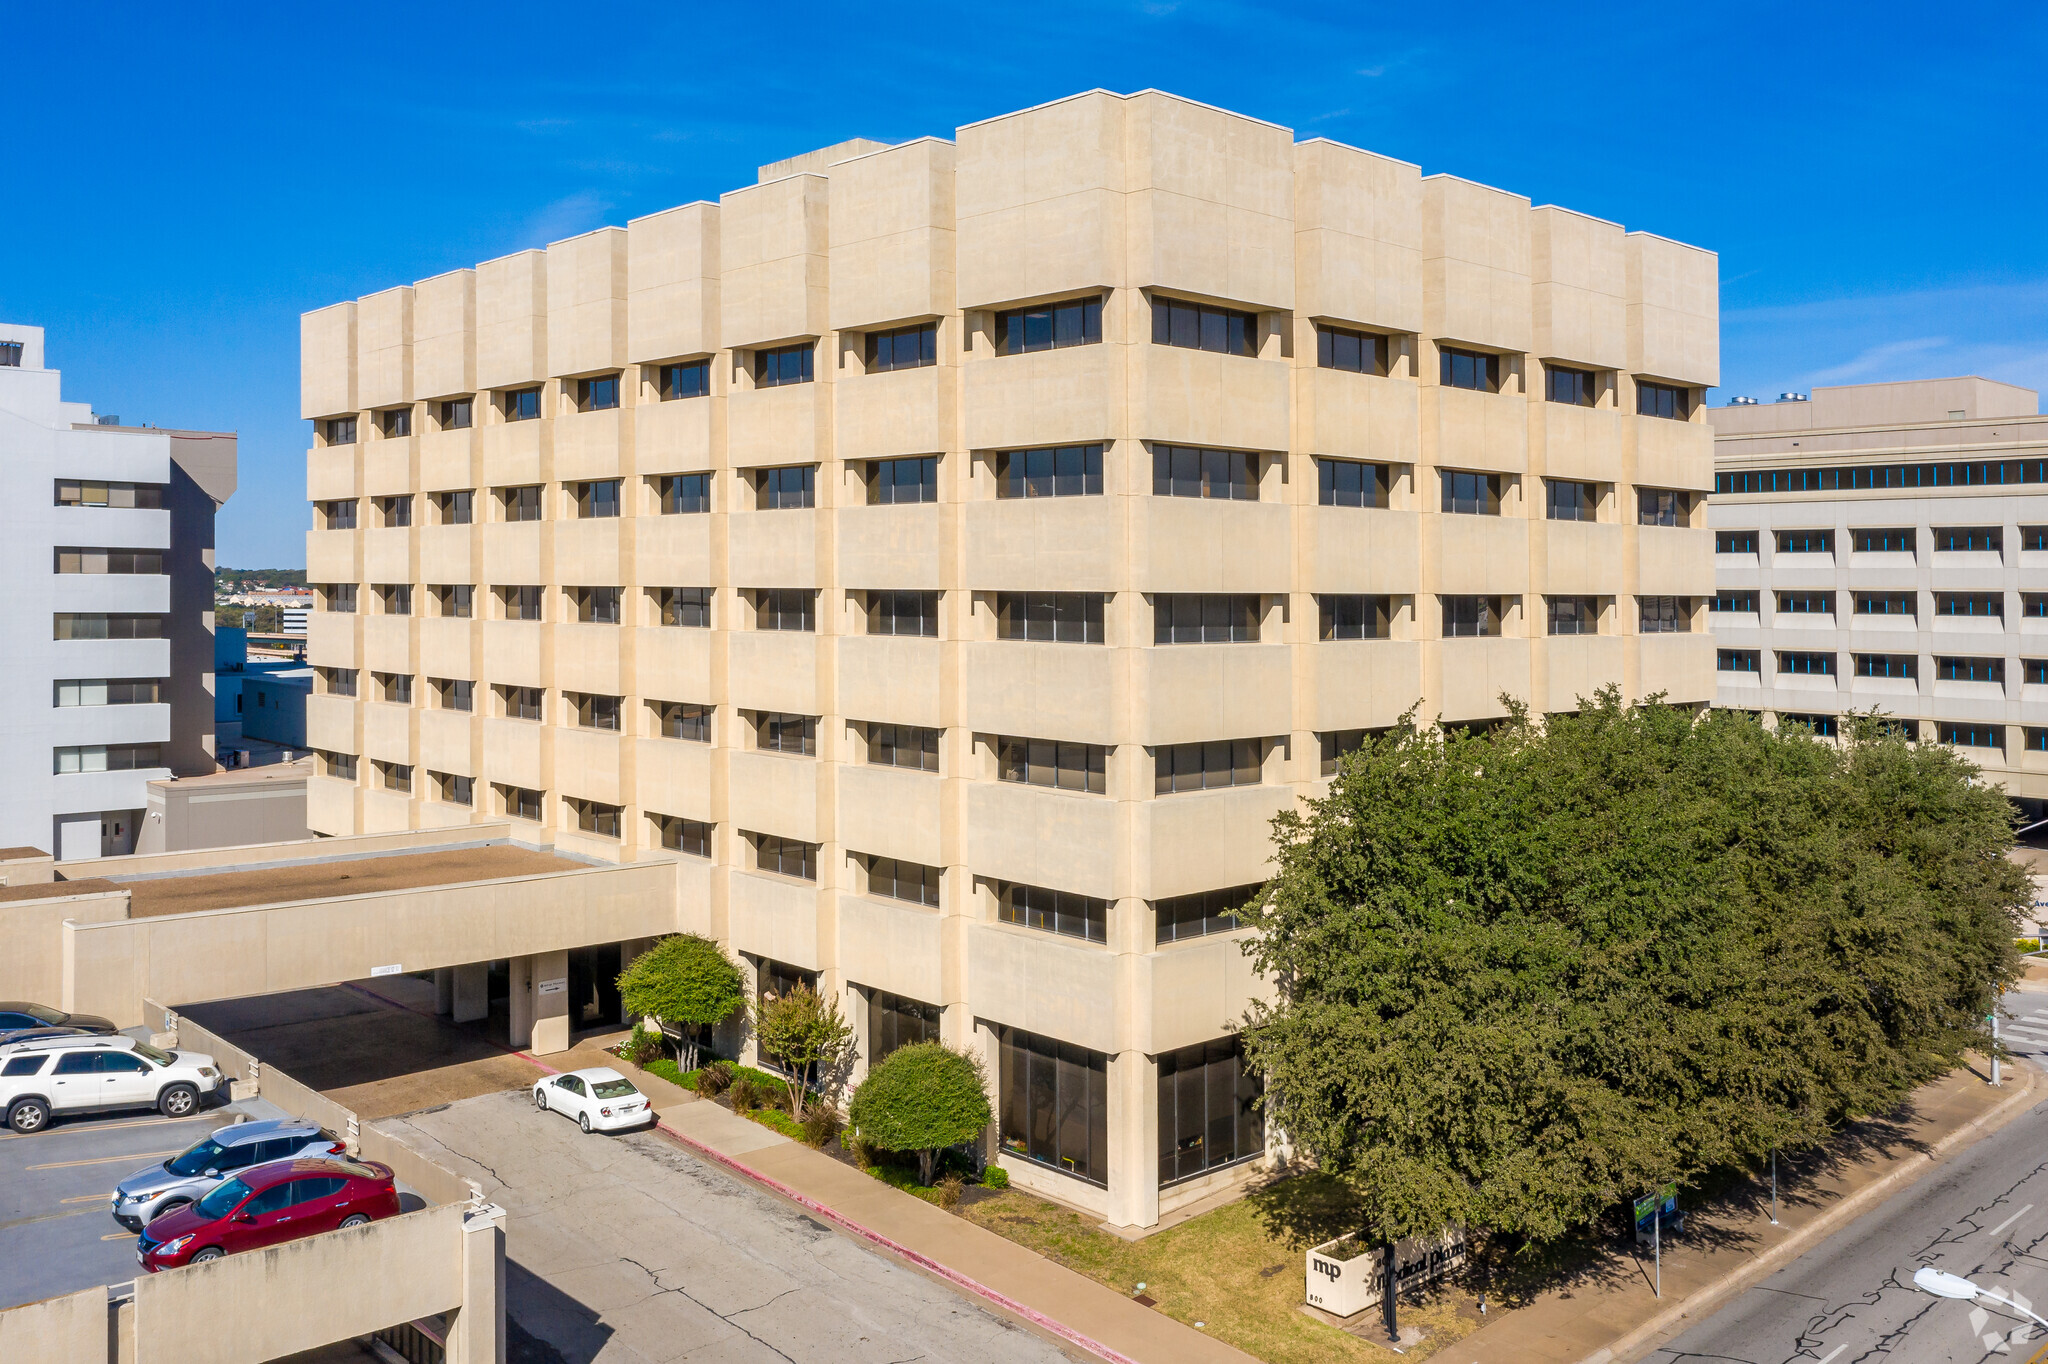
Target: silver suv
x: 193, y: 1173
x: 65, y: 1075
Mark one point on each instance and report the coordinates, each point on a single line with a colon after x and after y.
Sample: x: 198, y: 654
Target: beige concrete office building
x: 1885, y: 547
x: 950, y: 556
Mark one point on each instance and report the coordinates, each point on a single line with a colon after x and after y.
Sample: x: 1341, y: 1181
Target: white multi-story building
x: 106, y: 535
x: 1885, y: 547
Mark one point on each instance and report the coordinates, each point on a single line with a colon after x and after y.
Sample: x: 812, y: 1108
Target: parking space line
x: 44, y: 1217
x: 87, y: 1198
x: 111, y: 1126
x: 100, y: 1160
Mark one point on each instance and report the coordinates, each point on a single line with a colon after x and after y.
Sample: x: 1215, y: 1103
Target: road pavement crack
x: 655, y: 1278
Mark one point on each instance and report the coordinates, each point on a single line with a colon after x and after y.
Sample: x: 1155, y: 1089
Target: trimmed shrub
x: 995, y: 1177
x: 687, y: 982
x: 713, y: 1079
x: 643, y: 1046
x: 821, y: 1123
x: 923, y: 1098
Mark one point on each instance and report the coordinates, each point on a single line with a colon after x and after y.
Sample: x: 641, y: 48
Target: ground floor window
x: 894, y: 1021
x: 774, y: 980
x: 1208, y: 1109
x: 1053, y: 1104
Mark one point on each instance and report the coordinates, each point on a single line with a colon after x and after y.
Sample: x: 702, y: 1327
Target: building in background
x: 1885, y: 547
x: 259, y: 702
x: 953, y: 554
x: 107, y: 682
x: 242, y: 807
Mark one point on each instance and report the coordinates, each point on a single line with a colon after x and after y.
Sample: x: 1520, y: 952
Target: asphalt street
x: 623, y: 1249
x: 56, y: 1234
x: 1982, y: 1214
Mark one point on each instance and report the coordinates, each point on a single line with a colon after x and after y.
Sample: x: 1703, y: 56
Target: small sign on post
x: 1652, y: 1208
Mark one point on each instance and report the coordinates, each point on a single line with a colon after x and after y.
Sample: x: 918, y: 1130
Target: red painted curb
x: 951, y: 1275
x: 946, y: 1272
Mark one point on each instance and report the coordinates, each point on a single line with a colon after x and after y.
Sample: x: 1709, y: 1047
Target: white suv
x: 64, y: 1075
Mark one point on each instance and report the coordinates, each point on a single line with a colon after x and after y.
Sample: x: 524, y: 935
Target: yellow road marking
x: 108, y: 1127
x: 87, y: 1198
x: 118, y: 1236
x: 101, y: 1160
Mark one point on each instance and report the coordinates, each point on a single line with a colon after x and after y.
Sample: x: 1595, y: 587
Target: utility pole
x: 1393, y: 1304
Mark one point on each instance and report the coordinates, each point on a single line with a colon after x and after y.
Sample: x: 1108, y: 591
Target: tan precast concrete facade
x: 1130, y: 201
x: 1946, y: 628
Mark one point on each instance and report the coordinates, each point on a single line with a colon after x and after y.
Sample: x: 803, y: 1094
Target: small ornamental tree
x: 803, y: 1031
x: 923, y: 1098
x: 683, y: 982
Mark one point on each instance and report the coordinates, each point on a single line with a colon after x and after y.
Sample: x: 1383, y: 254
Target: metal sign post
x: 1774, y: 1186
x: 1652, y: 1206
x: 1992, y: 1019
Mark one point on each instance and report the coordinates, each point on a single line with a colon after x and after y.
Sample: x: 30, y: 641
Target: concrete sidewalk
x: 1074, y: 1308
x: 1611, y: 1313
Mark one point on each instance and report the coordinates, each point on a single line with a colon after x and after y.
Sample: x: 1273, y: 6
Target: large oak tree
x: 1528, y: 974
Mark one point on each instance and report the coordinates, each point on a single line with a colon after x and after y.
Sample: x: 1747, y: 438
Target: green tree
x: 923, y: 1097
x: 684, y: 983
x: 1527, y: 975
x: 803, y: 1032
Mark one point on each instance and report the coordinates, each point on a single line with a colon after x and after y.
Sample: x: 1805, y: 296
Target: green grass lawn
x: 777, y: 1119
x: 1221, y: 1269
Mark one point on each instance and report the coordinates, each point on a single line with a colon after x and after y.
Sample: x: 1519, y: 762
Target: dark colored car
x: 282, y: 1201
x: 16, y: 1014
x: 31, y: 1034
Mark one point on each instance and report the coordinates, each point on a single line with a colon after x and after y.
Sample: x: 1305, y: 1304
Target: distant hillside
x: 257, y: 579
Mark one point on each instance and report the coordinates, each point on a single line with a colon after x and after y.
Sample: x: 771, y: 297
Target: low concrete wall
x: 67, y: 1328
x: 255, y: 854
x: 265, y: 1304
x: 31, y: 940
x: 33, y: 870
x: 264, y: 949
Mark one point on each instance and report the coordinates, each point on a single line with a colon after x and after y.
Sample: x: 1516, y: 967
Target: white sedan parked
x: 600, y: 1099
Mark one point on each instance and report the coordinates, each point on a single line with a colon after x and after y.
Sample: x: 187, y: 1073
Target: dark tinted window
x: 1209, y: 1112
x: 1806, y: 542
x: 1350, y: 616
x: 1968, y: 539
x: 1061, y: 617
x: 273, y: 1199
x: 1204, y: 618
x: 784, y: 365
x: 1049, y: 326
x: 313, y: 1190
x: 1576, y: 387
x: 689, y: 380
x: 904, y: 613
x: 120, y: 1062
x: 1207, y: 766
x: 790, y: 486
x: 1053, y: 1104
x: 1059, y: 471
x: 1567, y: 501
x: 1051, y: 762
x: 1054, y: 911
x: 911, y: 746
x: 1884, y: 541
x: 1198, y: 326
x: 1469, y: 494
x: 597, y: 395
x: 75, y: 1063
x: 522, y: 405
x: 685, y: 493
x: 1358, y: 352
x: 903, y: 480
x: 24, y: 1065
x: 894, y: 1021
x: 785, y: 608
x: 1663, y: 400
x: 1195, y: 916
x: 1349, y: 483
x: 1734, y: 542
x: 904, y: 348
x: 1466, y: 369
x: 1185, y: 471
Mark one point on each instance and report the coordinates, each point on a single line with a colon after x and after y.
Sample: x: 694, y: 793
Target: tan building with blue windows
x: 949, y: 556
x: 1884, y: 547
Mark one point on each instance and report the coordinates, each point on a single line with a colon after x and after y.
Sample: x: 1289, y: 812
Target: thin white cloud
x: 1877, y: 358
x: 570, y: 216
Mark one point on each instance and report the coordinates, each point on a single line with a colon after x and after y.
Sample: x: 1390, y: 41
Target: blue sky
x: 180, y: 182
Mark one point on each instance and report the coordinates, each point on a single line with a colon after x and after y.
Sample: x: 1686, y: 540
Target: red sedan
x: 269, y: 1204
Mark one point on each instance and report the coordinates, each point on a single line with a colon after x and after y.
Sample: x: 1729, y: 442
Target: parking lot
x: 629, y: 1250
x: 56, y: 1234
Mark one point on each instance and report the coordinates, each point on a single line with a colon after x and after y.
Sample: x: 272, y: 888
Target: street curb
x: 1826, y: 1224
x: 922, y: 1261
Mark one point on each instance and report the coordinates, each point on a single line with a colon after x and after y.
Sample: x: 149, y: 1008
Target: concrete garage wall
x: 30, y: 968
x: 73, y: 1327
x: 265, y: 1304
x: 262, y: 949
